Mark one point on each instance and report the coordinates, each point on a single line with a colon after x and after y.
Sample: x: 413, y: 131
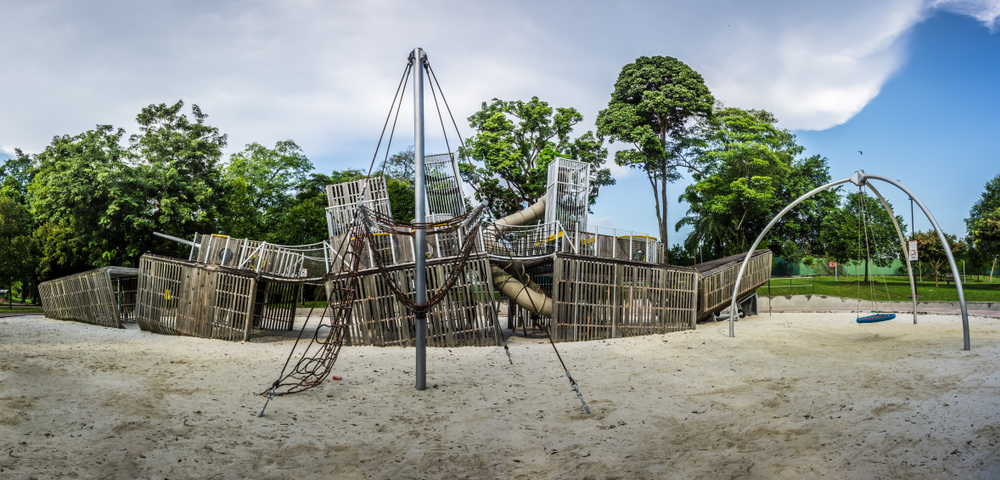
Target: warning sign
x: 303, y: 273
x: 913, y: 250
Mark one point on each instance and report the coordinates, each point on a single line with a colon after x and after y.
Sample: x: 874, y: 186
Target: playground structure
x: 183, y: 297
x: 582, y: 282
x: 103, y: 296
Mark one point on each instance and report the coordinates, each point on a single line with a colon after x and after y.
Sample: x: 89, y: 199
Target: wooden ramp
x: 716, y: 279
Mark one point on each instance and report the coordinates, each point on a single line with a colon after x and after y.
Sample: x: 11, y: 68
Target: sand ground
x: 792, y: 396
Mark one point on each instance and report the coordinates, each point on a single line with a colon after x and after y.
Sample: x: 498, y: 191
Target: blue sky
x: 909, y: 82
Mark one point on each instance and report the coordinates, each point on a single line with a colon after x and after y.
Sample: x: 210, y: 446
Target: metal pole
x: 947, y: 251
x: 746, y: 260
x: 420, y: 241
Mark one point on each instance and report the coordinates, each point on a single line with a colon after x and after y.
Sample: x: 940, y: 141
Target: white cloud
x: 323, y: 73
x: 986, y: 11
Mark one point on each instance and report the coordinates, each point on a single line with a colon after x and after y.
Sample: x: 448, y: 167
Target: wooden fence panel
x: 466, y: 316
x: 596, y: 298
x: 181, y: 297
x: 94, y: 296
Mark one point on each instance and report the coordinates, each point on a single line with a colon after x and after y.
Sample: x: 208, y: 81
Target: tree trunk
x: 992, y: 267
x: 663, y: 225
x: 867, y: 261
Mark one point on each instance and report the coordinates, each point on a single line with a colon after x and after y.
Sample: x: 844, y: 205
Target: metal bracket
x: 859, y: 178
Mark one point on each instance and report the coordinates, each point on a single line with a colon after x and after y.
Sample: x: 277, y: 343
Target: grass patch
x: 20, y: 309
x: 975, y: 289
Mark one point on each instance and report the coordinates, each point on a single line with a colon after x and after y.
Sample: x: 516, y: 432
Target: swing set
x: 877, y: 316
x: 861, y: 179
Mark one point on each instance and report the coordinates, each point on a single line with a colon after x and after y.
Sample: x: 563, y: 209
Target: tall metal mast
x: 420, y: 277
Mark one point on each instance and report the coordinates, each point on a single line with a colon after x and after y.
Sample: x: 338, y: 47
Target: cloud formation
x: 323, y: 73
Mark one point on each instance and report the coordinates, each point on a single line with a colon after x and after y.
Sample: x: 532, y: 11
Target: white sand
x: 793, y: 396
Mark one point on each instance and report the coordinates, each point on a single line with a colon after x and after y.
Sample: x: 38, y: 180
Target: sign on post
x: 913, y: 250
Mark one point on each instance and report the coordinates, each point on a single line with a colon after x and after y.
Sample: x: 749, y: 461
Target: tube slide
x: 510, y: 277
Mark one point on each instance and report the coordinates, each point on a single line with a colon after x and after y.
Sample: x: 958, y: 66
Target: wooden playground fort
x: 582, y: 282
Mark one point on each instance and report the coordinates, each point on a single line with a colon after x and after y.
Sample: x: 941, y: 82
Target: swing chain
x: 270, y: 396
x: 576, y: 389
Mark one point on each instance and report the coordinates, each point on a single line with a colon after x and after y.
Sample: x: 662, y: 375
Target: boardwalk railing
x: 715, y: 286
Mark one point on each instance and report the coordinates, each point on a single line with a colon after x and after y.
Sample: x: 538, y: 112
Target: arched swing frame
x: 860, y: 178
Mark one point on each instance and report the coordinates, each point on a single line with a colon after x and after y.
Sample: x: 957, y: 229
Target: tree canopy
x: 748, y: 174
x: 932, y: 253
x: 984, y: 220
x: 657, y: 107
x: 515, y: 142
x: 260, y: 185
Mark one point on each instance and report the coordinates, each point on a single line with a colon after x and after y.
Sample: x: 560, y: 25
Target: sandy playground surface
x: 793, y: 396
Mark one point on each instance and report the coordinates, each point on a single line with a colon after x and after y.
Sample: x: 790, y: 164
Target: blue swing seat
x: 878, y: 317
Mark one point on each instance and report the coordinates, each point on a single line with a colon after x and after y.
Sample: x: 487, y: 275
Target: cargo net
x: 317, y: 359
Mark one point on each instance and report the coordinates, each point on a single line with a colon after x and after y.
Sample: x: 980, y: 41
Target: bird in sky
x: 859, y: 151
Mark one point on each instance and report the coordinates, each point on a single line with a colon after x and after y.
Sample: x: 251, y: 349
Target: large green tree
x: 260, y: 184
x: 657, y: 107
x: 933, y: 254
x: 749, y: 174
x: 984, y: 222
x: 88, y: 201
x: 97, y: 202
x: 18, y: 252
x: 515, y: 142
x: 861, y: 230
x: 17, y: 173
x: 178, y: 162
x: 16, y: 244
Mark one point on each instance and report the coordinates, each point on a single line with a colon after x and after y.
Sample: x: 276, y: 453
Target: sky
x: 910, y: 83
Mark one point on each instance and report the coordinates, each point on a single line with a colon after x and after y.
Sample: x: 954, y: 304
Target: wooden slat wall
x: 275, y: 305
x: 597, y: 299
x: 715, y: 289
x: 178, y: 297
x: 465, y: 317
x: 90, y: 297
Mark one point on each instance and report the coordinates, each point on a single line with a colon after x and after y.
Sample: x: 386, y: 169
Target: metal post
x: 420, y: 241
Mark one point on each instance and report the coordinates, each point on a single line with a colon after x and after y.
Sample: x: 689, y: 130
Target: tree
x: 88, y: 201
x: 657, y: 106
x: 984, y: 222
x: 859, y: 230
x: 749, y: 174
x: 16, y: 245
x: 932, y: 253
x: 178, y: 163
x: 18, y: 249
x: 515, y: 142
x: 17, y: 173
x: 97, y: 203
x: 259, y: 184
x: 399, y: 171
x: 400, y: 165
